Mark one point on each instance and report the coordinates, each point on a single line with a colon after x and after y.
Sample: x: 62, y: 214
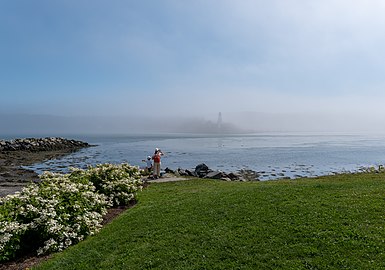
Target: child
x: 148, y: 164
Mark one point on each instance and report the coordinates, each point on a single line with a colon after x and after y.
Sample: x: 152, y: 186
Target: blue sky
x: 192, y: 58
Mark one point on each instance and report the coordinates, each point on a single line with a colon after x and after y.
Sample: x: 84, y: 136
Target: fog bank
x: 239, y: 122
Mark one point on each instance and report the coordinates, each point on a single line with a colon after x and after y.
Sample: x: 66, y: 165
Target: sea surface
x: 273, y: 156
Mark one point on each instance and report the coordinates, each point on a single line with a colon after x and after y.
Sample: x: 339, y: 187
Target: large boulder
x: 201, y: 170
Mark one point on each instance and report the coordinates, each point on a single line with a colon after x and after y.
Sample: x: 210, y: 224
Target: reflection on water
x: 220, y: 142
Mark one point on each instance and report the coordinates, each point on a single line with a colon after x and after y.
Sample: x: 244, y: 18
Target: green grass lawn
x: 335, y: 222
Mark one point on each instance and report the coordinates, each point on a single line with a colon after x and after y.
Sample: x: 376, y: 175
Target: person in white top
x: 148, y: 164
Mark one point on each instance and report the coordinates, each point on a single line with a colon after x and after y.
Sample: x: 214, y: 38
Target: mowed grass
x: 335, y: 222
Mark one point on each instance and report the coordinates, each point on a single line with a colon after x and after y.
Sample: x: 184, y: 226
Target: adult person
x: 156, y: 158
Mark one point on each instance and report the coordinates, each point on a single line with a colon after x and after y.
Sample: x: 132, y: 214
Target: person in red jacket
x: 156, y: 158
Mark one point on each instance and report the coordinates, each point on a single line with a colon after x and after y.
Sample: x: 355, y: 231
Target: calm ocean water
x: 272, y: 155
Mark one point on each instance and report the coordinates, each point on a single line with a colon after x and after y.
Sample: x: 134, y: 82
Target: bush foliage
x: 118, y: 182
x: 63, y: 209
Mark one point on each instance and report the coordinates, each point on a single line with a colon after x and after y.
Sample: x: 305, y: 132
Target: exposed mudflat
x: 13, y: 177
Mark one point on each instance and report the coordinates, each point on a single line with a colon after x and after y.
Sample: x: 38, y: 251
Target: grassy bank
x: 333, y: 222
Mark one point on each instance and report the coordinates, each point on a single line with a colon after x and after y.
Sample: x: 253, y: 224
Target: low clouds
x: 194, y: 59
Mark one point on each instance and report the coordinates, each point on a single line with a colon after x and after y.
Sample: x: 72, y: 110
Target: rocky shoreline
x: 40, y: 144
x: 244, y: 175
x: 203, y: 171
x: 15, y: 154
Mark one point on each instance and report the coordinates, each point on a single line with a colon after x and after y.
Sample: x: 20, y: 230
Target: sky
x: 317, y: 65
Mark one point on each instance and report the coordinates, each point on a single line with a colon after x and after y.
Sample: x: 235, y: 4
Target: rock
x: 214, y: 175
x: 168, y: 170
x: 201, y: 170
x: 190, y: 173
x: 182, y: 172
x: 233, y: 176
x: 248, y: 175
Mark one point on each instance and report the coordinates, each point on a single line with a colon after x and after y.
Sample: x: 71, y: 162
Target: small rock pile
x: 40, y: 144
x: 203, y: 171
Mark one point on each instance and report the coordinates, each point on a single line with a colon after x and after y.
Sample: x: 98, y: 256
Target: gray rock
x: 182, y: 172
x: 233, y: 176
x: 214, y: 175
x: 190, y: 173
x: 248, y: 175
x: 168, y: 170
x: 201, y: 170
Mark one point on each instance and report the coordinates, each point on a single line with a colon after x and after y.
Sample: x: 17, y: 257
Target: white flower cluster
x: 64, y: 208
x: 118, y: 182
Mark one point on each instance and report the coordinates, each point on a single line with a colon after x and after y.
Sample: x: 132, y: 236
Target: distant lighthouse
x: 219, y: 122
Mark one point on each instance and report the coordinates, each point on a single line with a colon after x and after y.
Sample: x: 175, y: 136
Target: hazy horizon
x: 235, y: 123
x: 145, y: 66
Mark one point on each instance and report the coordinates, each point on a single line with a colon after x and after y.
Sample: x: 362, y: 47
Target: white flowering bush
x: 50, y: 216
x: 118, y: 182
x: 63, y: 209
